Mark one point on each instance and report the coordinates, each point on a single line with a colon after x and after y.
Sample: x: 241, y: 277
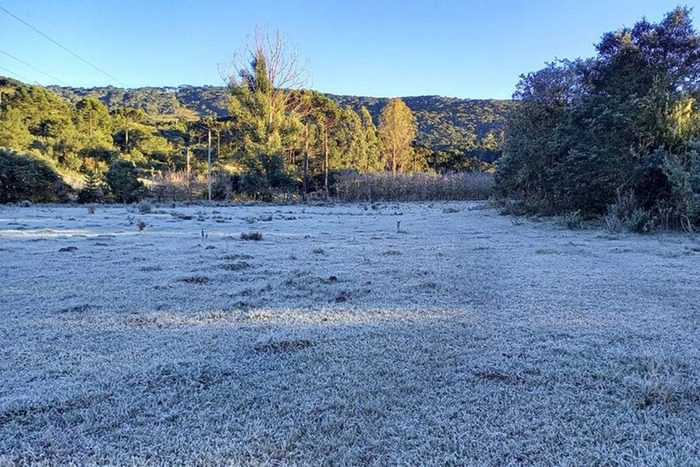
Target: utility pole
x: 189, y: 187
x: 209, y: 161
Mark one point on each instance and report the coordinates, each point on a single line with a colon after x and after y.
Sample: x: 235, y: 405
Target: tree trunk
x: 306, y: 162
x: 126, y: 134
x: 90, y: 124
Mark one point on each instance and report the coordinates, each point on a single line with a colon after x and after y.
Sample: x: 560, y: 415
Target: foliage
x: 122, y: 178
x: 447, y: 123
x: 94, y: 189
x: 268, y: 134
x: 397, y: 130
x: 24, y: 177
x: 625, y: 120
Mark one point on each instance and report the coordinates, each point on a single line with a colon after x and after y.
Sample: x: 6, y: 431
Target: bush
x: 145, y: 208
x: 626, y: 215
x: 93, y: 191
x: 123, y: 181
x: 25, y: 177
x: 641, y: 221
x: 573, y: 220
x: 264, y: 176
x: 174, y: 186
x: 255, y: 236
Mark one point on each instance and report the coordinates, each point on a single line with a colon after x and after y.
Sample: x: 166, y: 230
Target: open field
x: 459, y: 337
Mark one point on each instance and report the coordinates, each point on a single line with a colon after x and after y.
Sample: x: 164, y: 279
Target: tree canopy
x: 624, y: 123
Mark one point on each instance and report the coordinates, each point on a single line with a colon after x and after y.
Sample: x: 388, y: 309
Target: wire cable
x: 55, y: 42
x: 33, y: 67
x: 23, y: 78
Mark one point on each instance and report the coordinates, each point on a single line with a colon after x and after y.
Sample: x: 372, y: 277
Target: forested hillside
x: 444, y: 123
x: 447, y: 122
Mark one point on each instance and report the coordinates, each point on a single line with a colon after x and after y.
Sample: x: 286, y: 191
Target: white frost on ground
x: 462, y: 338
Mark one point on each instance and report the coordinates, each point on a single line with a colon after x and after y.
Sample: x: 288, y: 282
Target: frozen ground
x: 462, y: 338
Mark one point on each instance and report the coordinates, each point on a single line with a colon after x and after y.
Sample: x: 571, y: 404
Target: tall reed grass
x: 414, y: 187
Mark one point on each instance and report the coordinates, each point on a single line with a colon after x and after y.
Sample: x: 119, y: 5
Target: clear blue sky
x: 468, y: 48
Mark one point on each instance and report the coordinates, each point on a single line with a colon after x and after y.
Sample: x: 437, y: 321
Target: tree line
x: 277, y: 136
x: 616, y: 135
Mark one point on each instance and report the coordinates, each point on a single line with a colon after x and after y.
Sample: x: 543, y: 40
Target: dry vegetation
x: 345, y: 337
x: 383, y: 186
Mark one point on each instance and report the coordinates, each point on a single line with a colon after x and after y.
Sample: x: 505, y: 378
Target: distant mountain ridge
x: 443, y: 122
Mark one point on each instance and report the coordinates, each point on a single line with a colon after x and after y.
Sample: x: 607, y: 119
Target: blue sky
x: 468, y: 48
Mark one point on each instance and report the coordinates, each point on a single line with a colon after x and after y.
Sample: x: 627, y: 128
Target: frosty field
x: 456, y: 337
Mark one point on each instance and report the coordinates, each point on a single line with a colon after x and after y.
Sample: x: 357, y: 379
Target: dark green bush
x: 122, y: 178
x: 93, y: 191
x: 25, y: 177
x: 264, y: 175
x: 625, y: 121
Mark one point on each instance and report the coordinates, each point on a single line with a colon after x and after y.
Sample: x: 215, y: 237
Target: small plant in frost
x: 254, y: 236
x: 145, y: 207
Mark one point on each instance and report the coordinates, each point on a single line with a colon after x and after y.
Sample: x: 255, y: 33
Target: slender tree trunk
x: 325, y: 164
x: 126, y: 134
x: 89, y: 124
x: 306, y: 162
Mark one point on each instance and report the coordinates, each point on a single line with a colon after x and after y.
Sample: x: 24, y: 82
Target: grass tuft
x: 251, y: 236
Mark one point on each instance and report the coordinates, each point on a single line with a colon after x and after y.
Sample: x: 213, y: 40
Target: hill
x: 444, y: 123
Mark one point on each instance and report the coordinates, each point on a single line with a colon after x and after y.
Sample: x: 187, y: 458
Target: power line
x: 62, y: 46
x: 34, y: 68
x: 23, y: 78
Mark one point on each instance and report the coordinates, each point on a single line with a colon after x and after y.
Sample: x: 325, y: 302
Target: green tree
x: 123, y: 181
x: 261, y: 103
x: 624, y: 121
x: 369, y: 157
x: 94, y: 190
x: 397, y: 130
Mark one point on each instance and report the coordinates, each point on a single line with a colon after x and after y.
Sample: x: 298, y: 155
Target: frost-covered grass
x: 343, y: 337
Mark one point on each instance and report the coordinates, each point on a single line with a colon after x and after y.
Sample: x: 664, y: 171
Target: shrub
x: 264, y: 176
x: 94, y: 189
x: 24, y: 177
x: 255, y: 236
x: 625, y: 214
x: 175, y: 186
x: 145, y: 207
x: 123, y: 181
x: 640, y: 221
x: 573, y: 220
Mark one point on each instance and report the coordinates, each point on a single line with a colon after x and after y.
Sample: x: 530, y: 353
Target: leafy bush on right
x: 625, y: 121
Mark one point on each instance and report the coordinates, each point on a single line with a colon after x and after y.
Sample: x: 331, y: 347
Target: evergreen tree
x: 369, y: 159
x: 93, y: 191
x: 122, y: 178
